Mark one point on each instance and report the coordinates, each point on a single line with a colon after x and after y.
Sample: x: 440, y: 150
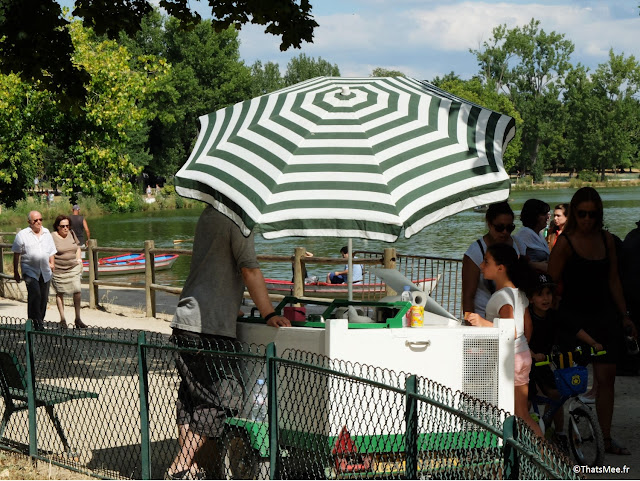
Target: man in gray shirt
x: 34, y: 250
x: 223, y: 262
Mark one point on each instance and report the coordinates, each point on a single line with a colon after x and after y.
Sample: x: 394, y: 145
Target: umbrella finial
x: 345, y: 90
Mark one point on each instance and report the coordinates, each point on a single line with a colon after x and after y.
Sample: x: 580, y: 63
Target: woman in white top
x: 502, y: 265
x: 530, y: 239
x: 476, y: 290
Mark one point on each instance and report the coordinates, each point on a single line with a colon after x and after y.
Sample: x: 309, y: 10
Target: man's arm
x: 254, y: 280
x: 16, y: 264
x: 86, y: 228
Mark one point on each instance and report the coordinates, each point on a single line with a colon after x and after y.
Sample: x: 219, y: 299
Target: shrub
x: 588, y: 176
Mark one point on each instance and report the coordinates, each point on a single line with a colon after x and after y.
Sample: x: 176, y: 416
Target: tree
x: 27, y: 116
x: 383, y: 72
x: 304, y: 68
x: 38, y: 47
x: 530, y: 65
x: 94, y: 143
x: 265, y: 79
x: 603, y: 110
x: 206, y: 75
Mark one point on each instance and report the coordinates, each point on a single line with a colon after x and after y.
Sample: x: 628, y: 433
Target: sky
x: 429, y: 38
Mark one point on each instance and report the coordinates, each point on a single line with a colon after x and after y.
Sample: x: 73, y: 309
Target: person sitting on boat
x: 341, y: 277
x: 535, y: 216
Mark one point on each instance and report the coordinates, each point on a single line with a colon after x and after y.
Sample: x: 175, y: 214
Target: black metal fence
x: 103, y: 402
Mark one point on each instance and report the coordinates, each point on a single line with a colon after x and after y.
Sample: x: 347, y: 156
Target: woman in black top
x: 591, y: 300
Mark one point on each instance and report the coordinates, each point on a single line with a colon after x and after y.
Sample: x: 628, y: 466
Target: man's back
x: 77, y: 226
x: 213, y: 291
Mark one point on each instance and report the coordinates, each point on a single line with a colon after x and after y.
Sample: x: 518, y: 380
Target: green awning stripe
x: 205, y: 189
x: 442, y: 183
x: 492, y: 123
x: 331, y: 224
x: 448, y: 201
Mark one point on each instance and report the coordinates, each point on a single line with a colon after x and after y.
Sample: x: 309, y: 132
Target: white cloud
x: 424, y: 39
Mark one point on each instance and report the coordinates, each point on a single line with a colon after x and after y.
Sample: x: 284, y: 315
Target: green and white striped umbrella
x: 348, y: 157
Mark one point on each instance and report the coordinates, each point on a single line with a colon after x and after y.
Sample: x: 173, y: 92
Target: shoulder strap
x: 75, y: 237
x: 568, y: 241
x: 481, y: 248
x: 606, y: 244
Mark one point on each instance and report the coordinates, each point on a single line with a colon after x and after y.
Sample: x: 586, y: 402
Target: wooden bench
x: 13, y: 384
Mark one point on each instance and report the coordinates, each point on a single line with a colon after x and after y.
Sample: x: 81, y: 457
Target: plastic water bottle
x: 406, y: 294
x: 406, y: 297
x: 259, y: 399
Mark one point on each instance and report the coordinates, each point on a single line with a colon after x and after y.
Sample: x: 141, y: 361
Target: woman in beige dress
x: 67, y: 269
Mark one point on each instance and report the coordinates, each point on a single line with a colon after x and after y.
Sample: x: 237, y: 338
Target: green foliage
x: 529, y: 65
x: 265, y: 79
x: 97, y: 163
x: 27, y: 116
x: 604, y: 130
x: 38, y: 46
x: 303, y: 68
x: 383, y: 72
x: 587, y: 176
x: 206, y: 75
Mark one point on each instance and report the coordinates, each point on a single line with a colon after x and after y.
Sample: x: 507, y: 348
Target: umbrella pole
x: 350, y: 267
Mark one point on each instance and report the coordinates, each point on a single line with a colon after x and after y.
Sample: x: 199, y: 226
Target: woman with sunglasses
x: 535, y: 217
x: 67, y: 269
x: 592, y: 304
x: 476, y: 290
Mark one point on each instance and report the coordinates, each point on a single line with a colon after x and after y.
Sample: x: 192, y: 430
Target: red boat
x: 340, y: 291
x: 129, y: 264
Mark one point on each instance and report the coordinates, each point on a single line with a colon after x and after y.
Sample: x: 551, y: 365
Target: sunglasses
x: 502, y: 227
x: 36, y: 220
x: 584, y: 213
x: 63, y: 226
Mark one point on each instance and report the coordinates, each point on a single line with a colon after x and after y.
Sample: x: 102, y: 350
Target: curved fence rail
x: 103, y: 402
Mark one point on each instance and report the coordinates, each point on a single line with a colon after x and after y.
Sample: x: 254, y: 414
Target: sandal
x: 611, y: 446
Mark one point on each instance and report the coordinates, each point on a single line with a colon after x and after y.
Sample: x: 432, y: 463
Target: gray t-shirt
x: 212, y: 293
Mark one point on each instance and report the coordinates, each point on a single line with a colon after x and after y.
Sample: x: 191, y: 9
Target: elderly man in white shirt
x: 34, y: 249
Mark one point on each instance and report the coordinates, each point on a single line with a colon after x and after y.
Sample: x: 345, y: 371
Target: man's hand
x: 278, y: 321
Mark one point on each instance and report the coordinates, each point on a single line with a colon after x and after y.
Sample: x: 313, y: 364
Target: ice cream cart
x: 476, y: 361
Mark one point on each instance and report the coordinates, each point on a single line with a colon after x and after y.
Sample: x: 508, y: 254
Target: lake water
x: 449, y: 237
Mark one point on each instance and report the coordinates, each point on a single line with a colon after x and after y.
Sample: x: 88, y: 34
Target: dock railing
x: 445, y: 271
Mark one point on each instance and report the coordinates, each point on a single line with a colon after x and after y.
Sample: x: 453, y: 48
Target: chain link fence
x: 105, y: 402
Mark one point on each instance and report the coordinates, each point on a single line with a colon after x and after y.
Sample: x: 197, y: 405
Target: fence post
x: 92, y: 255
x: 389, y: 262
x: 145, y: 437
x: 272, y: 409
x: 149, y: 278
x: 511, y: 467
x: 411, y: 437
x: 31, y: 391
x: 298, y: 279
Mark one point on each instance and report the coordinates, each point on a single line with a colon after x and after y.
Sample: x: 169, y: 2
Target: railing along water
x: 445, y: 272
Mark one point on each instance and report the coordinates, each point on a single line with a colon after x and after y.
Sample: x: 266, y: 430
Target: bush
x: 588, y: 176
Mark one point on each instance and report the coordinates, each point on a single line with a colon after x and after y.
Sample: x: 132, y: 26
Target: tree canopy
x: 37, y: 47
